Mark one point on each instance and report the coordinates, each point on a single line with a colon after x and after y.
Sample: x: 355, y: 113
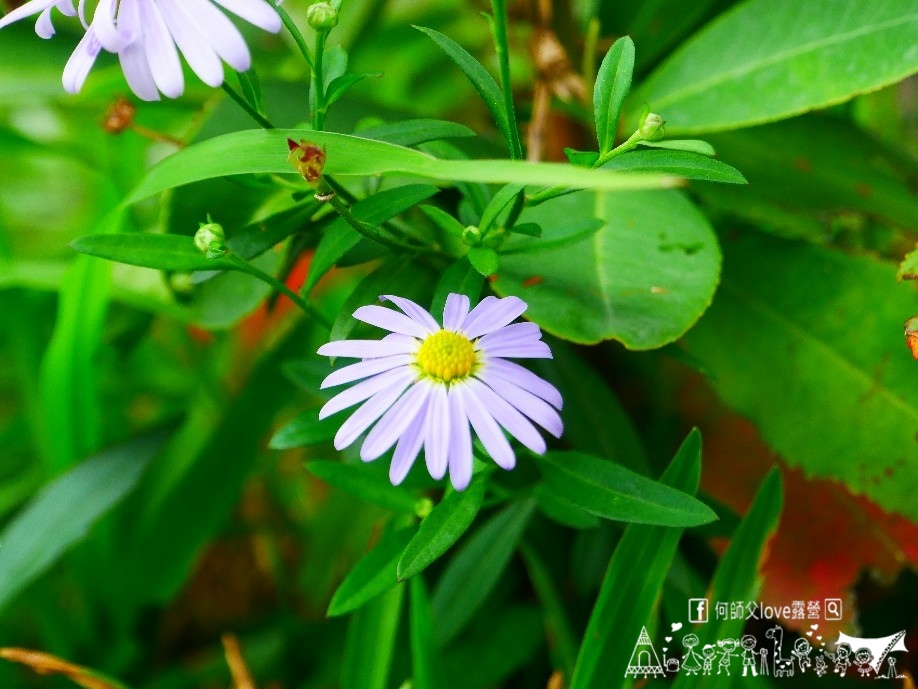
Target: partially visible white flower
x: 148, y: 35
x: 424, y: 385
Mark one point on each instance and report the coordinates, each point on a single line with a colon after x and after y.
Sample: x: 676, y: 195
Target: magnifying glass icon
x: 833, y: 609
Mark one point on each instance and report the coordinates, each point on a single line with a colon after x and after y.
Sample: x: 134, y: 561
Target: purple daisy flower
x: 424, y: 385
x: 148, y: 35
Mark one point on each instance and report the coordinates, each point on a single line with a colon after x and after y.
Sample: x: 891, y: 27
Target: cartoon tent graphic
x: 879, y: 647
x: 644, y: 660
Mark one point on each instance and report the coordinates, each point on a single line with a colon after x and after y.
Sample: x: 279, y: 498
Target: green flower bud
x: 211, y: 240
x: 471, y: 235
x: 423, y: 507
x: 651, y: 127
x: 322, y: 16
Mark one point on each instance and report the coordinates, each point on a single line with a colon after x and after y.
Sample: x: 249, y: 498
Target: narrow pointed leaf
x: 364, y: 484
x: 683, y: 163
x: 613, y: 81
x: 161, y: 251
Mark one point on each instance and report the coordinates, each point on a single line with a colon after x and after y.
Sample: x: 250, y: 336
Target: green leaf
x: 643, y: 279
x: 613, y: 82
x: 610, y: 491
x: 577, y: 231
x: 633, y: 582
x: 359, y: 482
x: 484, y: 259
x: 581, y: 158
x: 425, y: 656
x: 339, y: 86
x: 817, y: 363
x: 373, y: 575
x: 161, y: 251
x: 508, y: 198
x: 442, y: 528
x: 304, y: 430
x: 908, y: 269
x: 530, y: 229
x: 562, y: 510
x: 447, y: 223
x: 736, y: 576
x: 690, y: 145
x: 683, y: 163
x: 733, y: 74
x: 251, y: 89
x: 265, y: 151
x: 476, y: 567
x: 371, y: 642
x: 459, y: 278
x: 62, y: 513
x: 414, y: 132
x: 482, y: 81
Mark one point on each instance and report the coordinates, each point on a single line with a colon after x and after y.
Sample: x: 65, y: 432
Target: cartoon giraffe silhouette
x: 784, y: 667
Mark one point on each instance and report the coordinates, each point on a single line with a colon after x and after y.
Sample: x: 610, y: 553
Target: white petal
x: 66, y: 8
x: 486, y: 428
x: 200, y: 56
x: 535, y: 408
x: 455, y: 310
x: 254, y: 12
x: 391, y: 320
x: 517, y: 333
x: 371, y: 410
x: 365, y: 390
x: 219, y: 33
x: 408, y: 447
x: 43, y: 27
x: 133, y: 57
x: 526, y: 379
x: 81, y: 61
x: 395, y: 421
x: 26, y: 10
x: 436, y: 432
x: 364, y: 369
x: 414, y: 311
x: 516, y: 424
x: 103, y: 23
x: 489, y: 316
x: 364, y: 349
x: 531, y: 350
x: 460, y: 442
x: 162, y: 55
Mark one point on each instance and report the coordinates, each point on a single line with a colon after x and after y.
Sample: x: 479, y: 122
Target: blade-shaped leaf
x: 371, y: 642
x: 613, y: 81
x: 683, y: 163
x: 304, y: 430
x: 160, y: 251
x: 414, y: 132
x: 364, y: 484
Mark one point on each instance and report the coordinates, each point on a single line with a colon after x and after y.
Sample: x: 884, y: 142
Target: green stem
x: 244, y: 104
x: 588, y: 66
x: 297, y: 35
x: 502, y: 48
x: 318, y: 84
x: 268, y: 279
x: 555, y: 192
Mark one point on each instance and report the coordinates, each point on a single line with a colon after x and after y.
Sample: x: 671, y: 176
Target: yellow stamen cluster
x: 446, y: 355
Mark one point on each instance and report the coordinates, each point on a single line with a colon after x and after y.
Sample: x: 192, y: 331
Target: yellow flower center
x: 446, y: 355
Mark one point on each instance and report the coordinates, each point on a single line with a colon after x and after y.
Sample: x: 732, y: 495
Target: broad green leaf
x: 261, y: 151
x: 484, y: 259
x: 613, y: 82
x: 562, y: 510
x: 632, y: 584
x: 734, y: 74
x: 691, y: 145
x: 610, y: 491
x: 817, y: 363
x: 643, y: 279
x: 476, y: 567
x: 62, y: 513
x: 426, y: 663
x: 482, y: 81
x: 304, y: 430
x: 373, y: 575
x: 736, y: 576
x: 442, y: 528
x: 356, y: 480
x: 161, y: 251
x: 683, y: 163
x: 339, y: 86
x: 371, y: 642
x: 414, y: 132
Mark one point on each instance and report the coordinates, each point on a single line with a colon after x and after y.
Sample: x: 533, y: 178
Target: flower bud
x: 651, y: 127
x: 308, y: 159
x: 471, y: 235
x: 322, y: 16
x: 423, y: 507
x: 211, y: 240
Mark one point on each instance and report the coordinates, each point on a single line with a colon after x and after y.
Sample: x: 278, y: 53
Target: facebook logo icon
x: 698, y: 610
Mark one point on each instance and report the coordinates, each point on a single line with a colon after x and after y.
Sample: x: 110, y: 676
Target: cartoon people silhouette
x: 728, y: 648
x: 841, y: 659
x: 763, y: 666
x: 749, y: 654
x: 862, y: 659
x: 690, y: 662
x: 820, y: 666
x: 708, y: 653
x: 802, y: 651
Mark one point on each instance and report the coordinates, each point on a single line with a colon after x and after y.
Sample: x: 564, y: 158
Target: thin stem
x: 244, y: 104
x: 502, y: 48
x: 318, y: 84
x: 588, y: 66
x: 268, y: 279
x: 297, y: 36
